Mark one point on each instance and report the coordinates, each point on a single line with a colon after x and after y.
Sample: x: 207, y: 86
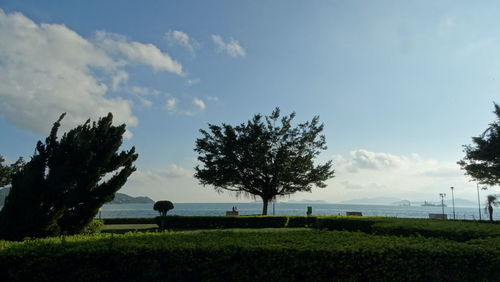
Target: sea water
x: 219, y: 209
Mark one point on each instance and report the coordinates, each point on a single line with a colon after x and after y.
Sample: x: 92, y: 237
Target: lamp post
x: 453, y: 201
x: 442, y: 195
x: 478, y: 200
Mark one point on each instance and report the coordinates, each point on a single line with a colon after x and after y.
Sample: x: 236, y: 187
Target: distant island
x: 120, y: 198
x: 307, y: 202
x: 391, y: 201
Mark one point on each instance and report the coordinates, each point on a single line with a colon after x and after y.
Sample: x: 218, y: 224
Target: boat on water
x: 428, y: 204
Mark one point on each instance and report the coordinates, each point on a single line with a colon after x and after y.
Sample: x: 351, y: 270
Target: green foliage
x: 452, y: 230
x: 302, y: 221
x: 94, y: 227
x: 460, y: 231
x: 143, y: 220
x: 482, y: 160
x: 266, y: 158
x: 214, y: 222
x: 62, y: 187
x: 163, y: 207
x: 349, y: 223
x: 248, y: 255
x: 8, y: 171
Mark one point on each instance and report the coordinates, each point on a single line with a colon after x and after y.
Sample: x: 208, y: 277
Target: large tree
x: 482, y: 159
x: 62, y: 187
x: 265, y: 157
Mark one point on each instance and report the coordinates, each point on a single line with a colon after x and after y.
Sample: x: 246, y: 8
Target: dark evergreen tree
x: 62, y: 187
x: 266, y: 158
x: 482, y: 159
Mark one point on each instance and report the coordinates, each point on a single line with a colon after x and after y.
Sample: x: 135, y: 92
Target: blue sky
x: 399, y: 85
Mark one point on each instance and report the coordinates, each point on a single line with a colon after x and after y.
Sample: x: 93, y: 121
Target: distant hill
x: 120, y: 198
x: 372, y: 201
x: 307, y: 202
x: 395, y: 201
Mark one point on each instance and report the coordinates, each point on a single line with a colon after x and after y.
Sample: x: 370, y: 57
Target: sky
x: 400, y: 86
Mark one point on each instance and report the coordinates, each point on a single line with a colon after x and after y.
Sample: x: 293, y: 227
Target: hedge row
x: 454, y: 230
x: 143, y: 220
x: 268, y: 255
x: 215, y: 222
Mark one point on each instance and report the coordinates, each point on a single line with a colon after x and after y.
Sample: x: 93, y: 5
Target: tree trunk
x: 264, y: 206
x: 490, y: 209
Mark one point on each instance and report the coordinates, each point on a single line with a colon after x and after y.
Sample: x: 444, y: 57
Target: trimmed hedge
x: 215, y: 222
x: 454, y: 230
x: 247, y: 255
x: 460, y: 231
x: 143, y: 220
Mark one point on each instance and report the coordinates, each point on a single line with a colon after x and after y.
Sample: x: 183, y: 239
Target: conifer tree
x: 62, y: 187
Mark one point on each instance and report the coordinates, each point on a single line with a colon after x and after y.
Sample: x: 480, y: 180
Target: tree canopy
x: 62, y: 187
x: 163, y: 207
x: 482, y: 159
x: 266, y: 157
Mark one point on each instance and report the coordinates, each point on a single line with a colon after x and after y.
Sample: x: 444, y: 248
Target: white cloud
x: 178, y: 37
x: 45, y: 70
x: 171, y: 104
x: 48, y: 69
x: 118, y: 79
x: 232, y: 47
x: 136, y: 52
x: 370, y: 160
x: 199, y: 103
x: 174, y: 171
x: 213, y: 98
x: 193, y: 81
x: 374, y: 174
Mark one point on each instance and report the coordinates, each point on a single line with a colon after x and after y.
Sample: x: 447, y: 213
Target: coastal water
x: 219, y: 209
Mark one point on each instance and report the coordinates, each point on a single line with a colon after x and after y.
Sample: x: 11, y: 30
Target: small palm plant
x: 491, y: 201
x: 163, y: 207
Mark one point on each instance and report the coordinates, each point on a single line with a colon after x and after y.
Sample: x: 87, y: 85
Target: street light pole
x: 453, y: 201
x: 478, y: 201
x: 442, y: 195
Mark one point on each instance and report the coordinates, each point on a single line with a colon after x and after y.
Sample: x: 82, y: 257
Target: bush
x: 460, y: 231
x: 94, y: 227
x: 247, y: 255
x: 302, y: 221
x: 349, y: 223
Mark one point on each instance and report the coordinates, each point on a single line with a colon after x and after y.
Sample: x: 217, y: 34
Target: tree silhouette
x: 62, y: 187
x: 491, y: 201
x: 163, y: 207
x: 266, y: 157
x: 482, y: 160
